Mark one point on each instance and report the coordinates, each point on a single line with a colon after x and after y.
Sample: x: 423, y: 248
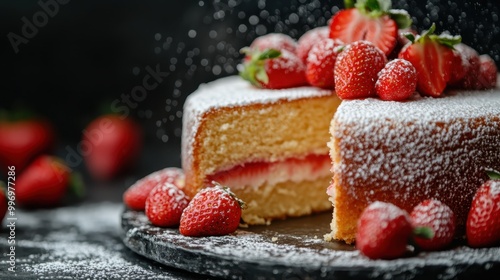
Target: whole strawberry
x: 356, y: 70
x: 43, y: 183
x: 3, y: 201
x: 273, y: 69
x: 165, y: 204
x: 383, y: 231
x: 469, y: 63
x: 483, y: 221
x: 373, y: 21
x: 487, y: 72
x: 22, y: 140
x: 397, y: 81
x: 135, y: 196
x: 433, y: 58
x: 321, y: 62
x: 112, y: 145
x: 434, y: 216
x: 310, y: 38
x: 212, y: 211
x: 275, y: 41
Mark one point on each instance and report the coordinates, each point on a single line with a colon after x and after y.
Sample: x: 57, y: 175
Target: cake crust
x: 406, y: 152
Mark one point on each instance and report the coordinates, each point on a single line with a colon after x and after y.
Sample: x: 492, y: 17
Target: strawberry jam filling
x: 255, y: 174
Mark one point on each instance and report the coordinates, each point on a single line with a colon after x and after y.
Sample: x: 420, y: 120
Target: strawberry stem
x: 76, y: 185
x: 493, y: 174
x: 423, y: 232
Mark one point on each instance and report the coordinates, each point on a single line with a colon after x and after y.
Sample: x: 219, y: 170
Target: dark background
x: 91, y: 52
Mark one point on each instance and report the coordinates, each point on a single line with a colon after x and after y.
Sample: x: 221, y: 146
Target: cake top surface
x: 233, y: 91
x: 454, y: 105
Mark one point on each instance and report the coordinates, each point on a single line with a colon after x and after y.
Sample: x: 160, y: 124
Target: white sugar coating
x: 89, y: 219
x: 495, y: 188
x: 232, y: 92
x: 309, y: 38
x: 274, y: 40
x: 65, y: 250
x: 287, y: 61
x: 323, y: 49
x: 386, y: 211
x: 434, y: 214
x: 415, y: 127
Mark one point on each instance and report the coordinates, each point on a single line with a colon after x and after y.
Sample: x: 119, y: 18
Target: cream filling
x: 268, y: 173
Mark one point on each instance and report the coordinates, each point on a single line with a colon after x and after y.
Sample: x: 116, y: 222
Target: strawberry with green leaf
x: 432, y: 56
x: 273, y: 69
x: 370, y: 20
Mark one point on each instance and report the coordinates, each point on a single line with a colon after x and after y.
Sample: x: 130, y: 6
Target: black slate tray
x: 294, y: 249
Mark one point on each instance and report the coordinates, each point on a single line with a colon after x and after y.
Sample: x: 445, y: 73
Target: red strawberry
x: 43, y: 183
x: 321, y: 62
x: 310, y: 38
x: 433, y: 58
x: 274, y: 69
x: 383, y: 231
x: 213, y: 211
x: 460, y: 66
x: 3, y: 201
x: 276, y: 41
x: 135, y: 196
x: 165, y: 204
x: 21, y: 141
x: 356, y: 70
x: 483, y: 222
x: 397, y: 81
x: 472, y: 65
x: 437, y: 218
x: 487, y: 72
x: 110, y: 145
x: 372, y: 21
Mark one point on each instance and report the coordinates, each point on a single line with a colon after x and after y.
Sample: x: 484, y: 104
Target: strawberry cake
x: 267, y: 145
x: 406, y: 152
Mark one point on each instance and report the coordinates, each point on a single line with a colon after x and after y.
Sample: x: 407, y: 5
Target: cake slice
x: 268, y: 146
x: 405, y: 152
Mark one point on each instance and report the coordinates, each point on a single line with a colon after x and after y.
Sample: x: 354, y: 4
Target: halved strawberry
x: 273, y: 69
x: 432, y: 56
x: 371, y: 20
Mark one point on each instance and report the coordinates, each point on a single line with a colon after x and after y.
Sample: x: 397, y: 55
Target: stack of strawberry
x: 384, y: 229
x: 351, y: 56
x: 212, y: 211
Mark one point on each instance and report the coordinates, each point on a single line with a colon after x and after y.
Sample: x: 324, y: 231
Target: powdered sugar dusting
x: 78, y: 242
x: 265, y: 254
x: 434, y: 147
x: 495, y: 188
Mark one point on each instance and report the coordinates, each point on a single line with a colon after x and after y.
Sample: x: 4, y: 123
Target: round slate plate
x: 294, y: 249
